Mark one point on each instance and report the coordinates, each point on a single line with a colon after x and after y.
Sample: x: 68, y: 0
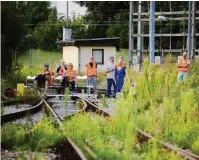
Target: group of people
x: 115, y: 74
x: 67, y: 75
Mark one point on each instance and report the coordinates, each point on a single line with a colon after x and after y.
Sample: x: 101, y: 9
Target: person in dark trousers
x: 120, y: 72
x: 110, y: 70
x: 44, y: 78
x: 61, y: 71
x: 71, y: 73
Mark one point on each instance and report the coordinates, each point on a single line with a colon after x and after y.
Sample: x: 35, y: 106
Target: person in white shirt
x: 110, y: 70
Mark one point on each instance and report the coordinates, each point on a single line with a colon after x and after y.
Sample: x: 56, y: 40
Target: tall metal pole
x: 152, y: 31
x: 160, y: 36
x: 131, y: 7
x: 67, y: 10
x: 193, y: 29
x: 189, y: 31
x: 170, y: 30
x: 160, y: 32
x: 139, y: 37
x: 67, y: 17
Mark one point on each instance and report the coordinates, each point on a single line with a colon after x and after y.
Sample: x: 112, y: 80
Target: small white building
x: 78, y: 51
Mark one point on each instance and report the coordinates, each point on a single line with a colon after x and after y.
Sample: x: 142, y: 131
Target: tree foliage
x: 19, y: 20
x: 47, y: 32
x: 33, y: 12
x: 12, y: 32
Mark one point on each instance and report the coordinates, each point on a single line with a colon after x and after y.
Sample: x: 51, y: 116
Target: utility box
x: 20, y: 89
x: 67, y: 33
x: 158, y: 59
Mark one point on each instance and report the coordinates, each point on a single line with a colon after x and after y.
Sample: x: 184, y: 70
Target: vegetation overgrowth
x: 112, y: 139
x: 158, y: 104
x: 164, y: 107
x: 25, y: 137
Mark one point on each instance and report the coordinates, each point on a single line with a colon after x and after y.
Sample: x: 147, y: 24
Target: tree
x: 47, y: 32
x: 120, y: 29
x: 12, y: 32
x: 19, y: 20
x: 106, y: 19
x: 79, y: 28
x: 32, y: 13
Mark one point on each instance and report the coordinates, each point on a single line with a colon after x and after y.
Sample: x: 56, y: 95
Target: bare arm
x: 108, y: 71
x: 183, y: 65
x: 46, y: 72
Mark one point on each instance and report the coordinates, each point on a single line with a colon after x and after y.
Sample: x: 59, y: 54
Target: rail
x: 90, y: 107
x: 141, y: 134
x: 16, y: 115
x: 68, y: 140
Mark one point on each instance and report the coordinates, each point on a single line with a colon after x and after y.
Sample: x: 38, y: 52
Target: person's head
x: 62, y: 62
x: 46, y: 66
x: 184, y: 55
x: 70, y: 66
x: 91, y: 59
x: 120, y: 61
x: 111, y: 59
x: 121, y: 57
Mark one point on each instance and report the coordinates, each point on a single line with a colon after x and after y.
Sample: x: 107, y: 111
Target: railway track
x: 77, y: 153
x: 23, y: 113
x: 142, y: 136
x: 67, y: 149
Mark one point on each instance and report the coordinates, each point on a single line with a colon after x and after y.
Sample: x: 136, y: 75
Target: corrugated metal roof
x: 83, y: 40
x: 98, y: 39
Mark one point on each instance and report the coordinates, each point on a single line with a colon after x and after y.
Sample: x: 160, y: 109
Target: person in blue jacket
x: 120, y: 72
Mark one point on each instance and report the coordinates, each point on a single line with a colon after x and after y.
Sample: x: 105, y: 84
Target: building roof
x: 91, y: 42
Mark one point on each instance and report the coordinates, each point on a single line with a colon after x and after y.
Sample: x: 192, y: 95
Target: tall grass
x: 165, y: 108
x: 158, y: 104
x: 24, y: 137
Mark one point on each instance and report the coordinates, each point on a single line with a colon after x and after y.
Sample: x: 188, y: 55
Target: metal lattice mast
x: 152, y: 31
x: 193, y: 29
x: 131, y: 7
x: 189, y: 45
x: 170, y: 29
x: 139, y: 37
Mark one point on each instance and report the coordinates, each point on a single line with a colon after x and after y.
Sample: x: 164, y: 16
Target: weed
x: 23, y: 137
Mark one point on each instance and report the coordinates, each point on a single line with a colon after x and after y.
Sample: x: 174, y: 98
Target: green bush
x: 36, y: 138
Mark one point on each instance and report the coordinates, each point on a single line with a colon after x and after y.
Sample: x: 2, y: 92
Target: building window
x: 99, y: 55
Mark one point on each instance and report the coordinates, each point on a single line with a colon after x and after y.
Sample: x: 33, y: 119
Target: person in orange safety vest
x: 91, y: 72
x: 71, y: 73
x: 183, y: 67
